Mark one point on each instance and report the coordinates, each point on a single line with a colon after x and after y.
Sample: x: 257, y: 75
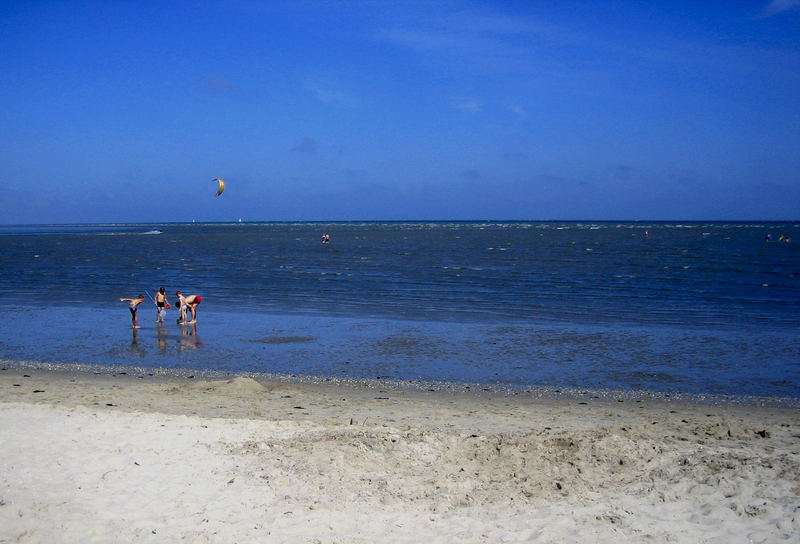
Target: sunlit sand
x: 124, y: 458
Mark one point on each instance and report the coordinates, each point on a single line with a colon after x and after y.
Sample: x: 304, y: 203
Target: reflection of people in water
x: 134, y: 306
x: 135, y: 343
x: 326, y: 238
x: 189, y: 303
x: 161, y: 338
x: 189, y: 339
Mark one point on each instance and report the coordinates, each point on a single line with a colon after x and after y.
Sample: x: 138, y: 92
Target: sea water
x: 674, y: 307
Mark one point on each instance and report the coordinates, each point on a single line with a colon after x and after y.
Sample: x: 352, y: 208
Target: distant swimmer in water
x: 189, y: 303
x: 134, y: 306
x: 326, y: 238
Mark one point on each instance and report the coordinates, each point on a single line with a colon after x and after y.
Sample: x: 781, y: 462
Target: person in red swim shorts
x: 189, y: 303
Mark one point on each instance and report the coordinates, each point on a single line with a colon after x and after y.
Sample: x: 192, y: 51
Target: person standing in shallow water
x: 134, y: 306
x: 189, y: 303
x: 161, y: 304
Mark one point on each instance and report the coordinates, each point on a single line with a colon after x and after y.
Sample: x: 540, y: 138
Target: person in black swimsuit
x: 161, y: 304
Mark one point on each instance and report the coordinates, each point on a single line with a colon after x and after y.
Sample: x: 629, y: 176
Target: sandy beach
x: 137, y: 458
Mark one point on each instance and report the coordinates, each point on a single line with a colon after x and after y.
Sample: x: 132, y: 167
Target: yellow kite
x: 221, y: 185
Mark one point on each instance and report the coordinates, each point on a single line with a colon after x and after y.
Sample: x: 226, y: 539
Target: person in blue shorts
x: 134, y: 306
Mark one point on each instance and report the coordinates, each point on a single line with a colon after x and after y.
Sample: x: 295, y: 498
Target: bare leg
x: 134, y: 319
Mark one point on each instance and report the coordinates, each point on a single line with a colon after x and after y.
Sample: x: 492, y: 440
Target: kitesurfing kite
x: 221, y: 185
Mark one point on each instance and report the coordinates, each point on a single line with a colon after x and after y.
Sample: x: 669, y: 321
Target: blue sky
x: 359, y: 110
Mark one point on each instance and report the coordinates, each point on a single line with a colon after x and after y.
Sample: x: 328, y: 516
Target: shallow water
x: 693, y: 308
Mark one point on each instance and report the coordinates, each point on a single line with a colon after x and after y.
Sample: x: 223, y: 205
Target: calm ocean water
x: 684, y: 307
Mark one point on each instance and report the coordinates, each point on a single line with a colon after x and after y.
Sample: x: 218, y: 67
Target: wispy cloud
x: 779, y: 6
x: 218, y: 85
x: 332, y: 96
x: 327, y: 91
x: 469, y: 106
x: 422, y: 41
x: 531, y: 52
x: 475, y: 38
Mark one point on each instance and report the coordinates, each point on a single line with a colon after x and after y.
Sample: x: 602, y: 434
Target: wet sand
x: 127, y: 458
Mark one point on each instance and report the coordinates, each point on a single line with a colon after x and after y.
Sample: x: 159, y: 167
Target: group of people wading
x: 186, y: 304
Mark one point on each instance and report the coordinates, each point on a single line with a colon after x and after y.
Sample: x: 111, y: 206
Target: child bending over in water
x: 188, y: 303
x: 134, y: 304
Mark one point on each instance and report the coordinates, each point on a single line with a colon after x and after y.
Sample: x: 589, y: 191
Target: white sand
x: 177, y: 460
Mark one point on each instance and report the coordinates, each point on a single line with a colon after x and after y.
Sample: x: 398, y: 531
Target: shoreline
x: 124, y: 457
x: 538, y: 392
